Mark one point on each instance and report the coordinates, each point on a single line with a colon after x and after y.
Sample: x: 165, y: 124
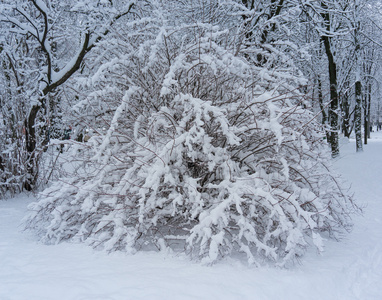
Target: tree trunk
x: 366, y: 120
x: 333, y: 108
x: 31, y: 141
x: 366, y: 130
x: 368, y: 108
x: 358, y: 116
x: 378, y: 108
x: 345, y: 110
x: 324, y: 119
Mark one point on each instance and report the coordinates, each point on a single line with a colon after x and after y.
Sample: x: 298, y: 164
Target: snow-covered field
x: 351, y: 269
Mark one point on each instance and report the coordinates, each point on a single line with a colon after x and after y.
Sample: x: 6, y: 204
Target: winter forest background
x: 207, y: 127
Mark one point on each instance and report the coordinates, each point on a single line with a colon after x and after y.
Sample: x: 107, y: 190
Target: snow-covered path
x: 351, y: 269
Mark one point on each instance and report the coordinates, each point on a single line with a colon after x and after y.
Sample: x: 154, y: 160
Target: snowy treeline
x: 205, y: 118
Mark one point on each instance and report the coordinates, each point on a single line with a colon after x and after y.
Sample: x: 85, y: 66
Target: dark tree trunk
x: 333, y: 108
x: 324, y: 119
x: 345, y: 110
x: 368, y: 107
x: 31, y: 141
x: 358, y: 116
x: 366, y: 113
x: 366, y: 129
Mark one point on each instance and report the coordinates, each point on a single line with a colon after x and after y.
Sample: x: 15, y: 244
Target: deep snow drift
x: 350, y: 269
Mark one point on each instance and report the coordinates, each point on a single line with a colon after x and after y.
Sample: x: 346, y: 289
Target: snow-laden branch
x: 89, y: 41
x: 45, y: 46
x: 90, y: 38
x: 72, y: 66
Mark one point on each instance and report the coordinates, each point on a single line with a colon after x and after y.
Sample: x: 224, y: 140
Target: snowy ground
x: 351, y: 269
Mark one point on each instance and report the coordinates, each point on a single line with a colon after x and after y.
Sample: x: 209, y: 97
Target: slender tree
x: 332, y: 67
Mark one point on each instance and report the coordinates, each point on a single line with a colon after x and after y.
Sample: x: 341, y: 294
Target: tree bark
x: 31, y: 141
x: 345, y: 110
x: 324, y: 119
x: 358, y: 116
x: 333, y: 108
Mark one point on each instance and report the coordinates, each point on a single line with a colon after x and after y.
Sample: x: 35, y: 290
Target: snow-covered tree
x: 203, y: 150
x: 44, y: 43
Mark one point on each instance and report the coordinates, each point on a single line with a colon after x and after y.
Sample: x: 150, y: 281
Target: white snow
x: 351, y: 269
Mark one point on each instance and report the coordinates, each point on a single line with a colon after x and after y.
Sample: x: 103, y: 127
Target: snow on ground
x: 351, y: 269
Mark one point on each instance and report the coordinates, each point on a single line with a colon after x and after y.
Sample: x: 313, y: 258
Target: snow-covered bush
x: 203, y: 152
x: 12, y: 172
x: 13, y: 161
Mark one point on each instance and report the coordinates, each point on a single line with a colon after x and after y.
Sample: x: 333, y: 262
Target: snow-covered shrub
x: 13, y: 162
x: 12, y: 172
x: 202, y: 151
